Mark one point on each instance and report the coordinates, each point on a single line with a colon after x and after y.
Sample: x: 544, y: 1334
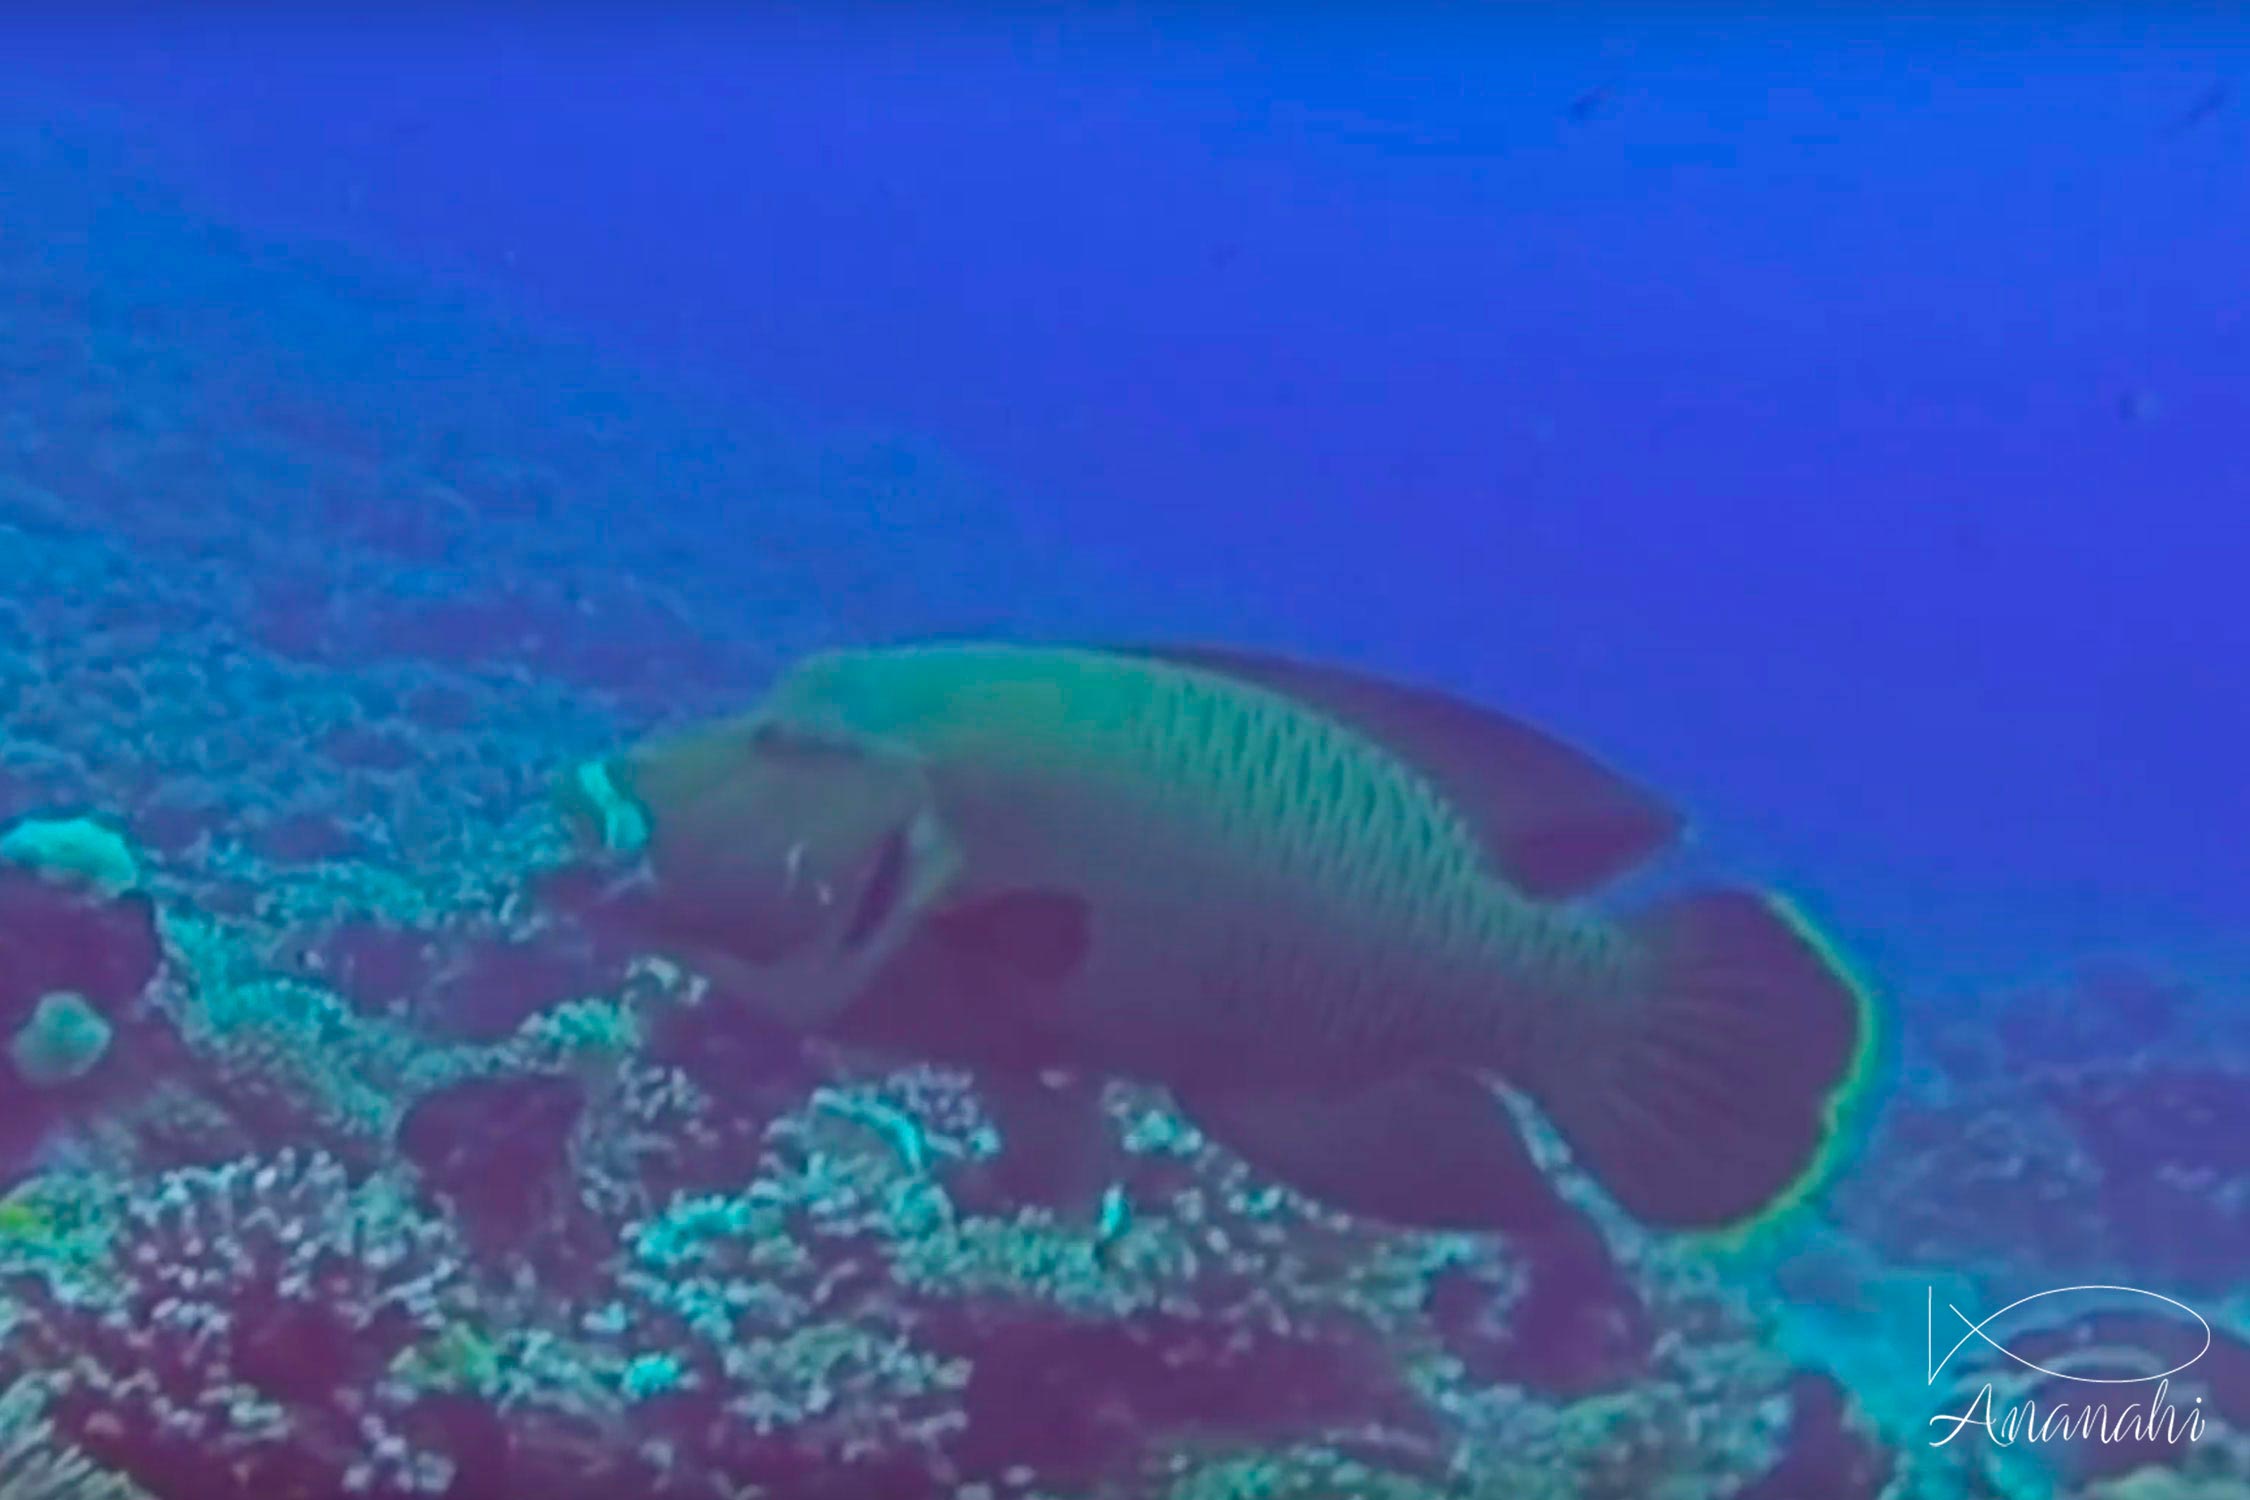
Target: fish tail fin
x: 1714, y: 1095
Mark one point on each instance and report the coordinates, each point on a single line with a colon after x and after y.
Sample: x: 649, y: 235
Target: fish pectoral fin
x: 1553, y: 821
x: 1427, y: 1150
x: 1036, y: 935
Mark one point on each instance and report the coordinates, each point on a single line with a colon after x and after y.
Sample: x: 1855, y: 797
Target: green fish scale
x: 1339, y: 815
x: 1414, y: 940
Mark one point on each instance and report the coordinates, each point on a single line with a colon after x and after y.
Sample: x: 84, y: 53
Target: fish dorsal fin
x: 1553, y: 822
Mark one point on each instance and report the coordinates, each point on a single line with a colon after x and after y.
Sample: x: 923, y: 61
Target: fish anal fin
x: 1427, y: 1150
x: 1037, y: 935
x: 1553, y: 821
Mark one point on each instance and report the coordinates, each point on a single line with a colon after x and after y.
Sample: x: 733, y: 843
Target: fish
x: 1590, y: 105
x: 1340, y: 918
x: 2207, y: 106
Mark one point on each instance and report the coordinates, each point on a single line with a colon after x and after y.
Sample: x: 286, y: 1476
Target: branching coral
x: 36, y: 1465
x: 236, y: 1337
x: 575, y: 1259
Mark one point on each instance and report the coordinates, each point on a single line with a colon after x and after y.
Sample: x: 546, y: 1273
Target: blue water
x: 1832, y: 420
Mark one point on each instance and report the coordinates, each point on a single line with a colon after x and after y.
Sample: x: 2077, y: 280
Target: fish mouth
x: 880, y: 891
x: 612, y: 879
x: 600, y: 813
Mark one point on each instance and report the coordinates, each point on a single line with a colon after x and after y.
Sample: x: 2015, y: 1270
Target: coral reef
x: 230, y: 1331
x: 2072, y: 1168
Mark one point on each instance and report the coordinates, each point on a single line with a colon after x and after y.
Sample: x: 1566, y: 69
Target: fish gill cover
x: 348, y: 1152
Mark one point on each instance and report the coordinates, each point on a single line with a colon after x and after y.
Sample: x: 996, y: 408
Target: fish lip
x: 605, y: 815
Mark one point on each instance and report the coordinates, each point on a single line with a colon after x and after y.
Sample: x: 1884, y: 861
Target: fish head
x: 787, y: 860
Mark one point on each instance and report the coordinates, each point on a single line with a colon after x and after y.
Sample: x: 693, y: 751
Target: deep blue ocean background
x: 1835, y: 420
x: 1833, y: 417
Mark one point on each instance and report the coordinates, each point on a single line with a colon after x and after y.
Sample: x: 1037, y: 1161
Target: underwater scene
x: 1280, y: 753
